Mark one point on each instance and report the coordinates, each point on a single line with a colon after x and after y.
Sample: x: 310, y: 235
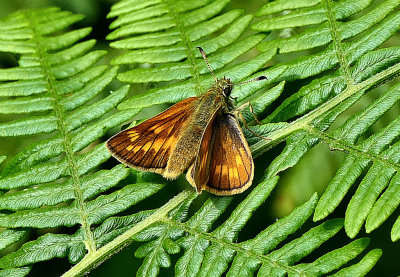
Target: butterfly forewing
x: 148, y: 145
x: 227, y: 167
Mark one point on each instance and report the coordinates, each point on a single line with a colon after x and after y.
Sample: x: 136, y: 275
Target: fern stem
x: 50, y: 83
x: 95, y: 258
x: 234, y: 246
x: 337, y: 144
x: 338, y: 44
x: 188, y: 45
x: 304, y: 121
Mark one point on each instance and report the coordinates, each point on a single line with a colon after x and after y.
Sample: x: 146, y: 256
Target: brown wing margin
x: 229, y: 165
x: 147, y: 146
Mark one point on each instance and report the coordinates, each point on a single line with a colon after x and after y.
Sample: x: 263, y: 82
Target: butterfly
x: 201, y: 134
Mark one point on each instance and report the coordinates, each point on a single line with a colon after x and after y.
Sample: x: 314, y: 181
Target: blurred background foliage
x: 311, y: 174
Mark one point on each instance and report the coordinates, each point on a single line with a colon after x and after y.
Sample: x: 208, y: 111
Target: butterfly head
x: 226, y: 85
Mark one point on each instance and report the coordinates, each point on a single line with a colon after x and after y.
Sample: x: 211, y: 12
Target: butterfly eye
x: 227, y: 90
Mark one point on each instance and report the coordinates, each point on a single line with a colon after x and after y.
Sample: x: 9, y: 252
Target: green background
x: 311, y: 174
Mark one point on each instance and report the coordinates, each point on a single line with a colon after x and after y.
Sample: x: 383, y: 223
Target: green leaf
x: 281, y: 5
x: 311, y: 15
x: 176, y: 92
x: 363, y: 267
x: 8, y: 237
x: 72, y: 95
x: 334, y: 259
x: 17, y: 272
x: 331, y: 79
x: 321, y: 34
x: 183, y: 70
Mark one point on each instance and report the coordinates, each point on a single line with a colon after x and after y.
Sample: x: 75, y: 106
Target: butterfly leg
x: 247, y: 104
x: 238, y: 114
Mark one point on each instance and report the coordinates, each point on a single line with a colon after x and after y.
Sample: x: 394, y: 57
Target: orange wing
x: 198, y: 178
x: 147, y: 146
x: 224, y: 165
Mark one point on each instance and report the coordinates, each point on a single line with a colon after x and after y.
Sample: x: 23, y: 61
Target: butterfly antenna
x: 205, y: 58
x: 259, y: 78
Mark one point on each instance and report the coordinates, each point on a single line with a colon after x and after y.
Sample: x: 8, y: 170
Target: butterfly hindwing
x: 198, y: 173
x: 148, y: 145
x: 226, y: 167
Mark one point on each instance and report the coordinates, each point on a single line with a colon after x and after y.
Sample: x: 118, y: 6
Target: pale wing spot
x: 217, y: 170
x: 243, y: 153
x: 172, y: 140
x: 236, y: 177
x: 224, y: 182
x: 224, y: 170
x: 238, y: 160
x: 129, y: 148
x: 231, y: 177
x: 166, y: 147
x: 147, y: 146
x: 134, y: 137
x: 158, y: 144
x: 157, y: 129
x: 241, y: 168
x: 137, y: 148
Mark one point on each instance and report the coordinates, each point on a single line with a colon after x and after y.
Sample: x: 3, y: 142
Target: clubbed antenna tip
x: 259, y: 78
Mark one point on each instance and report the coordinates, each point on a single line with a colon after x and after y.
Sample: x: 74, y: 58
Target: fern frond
x: 169, y: 48
x: 7, y: 238
x: 360, y: 69
x: 56, y: 92
x: 308, y: 13
x: 321, y: 35
x: 173, y: 50
x: 175, y: 92
x: 208, y: 251
x: 55, y: 89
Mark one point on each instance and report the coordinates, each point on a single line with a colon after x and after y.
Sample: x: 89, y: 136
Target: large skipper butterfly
x: 200, y: 133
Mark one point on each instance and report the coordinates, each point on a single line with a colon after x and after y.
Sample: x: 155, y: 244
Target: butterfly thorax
x: 225, y: 85
x: 219, y: 94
